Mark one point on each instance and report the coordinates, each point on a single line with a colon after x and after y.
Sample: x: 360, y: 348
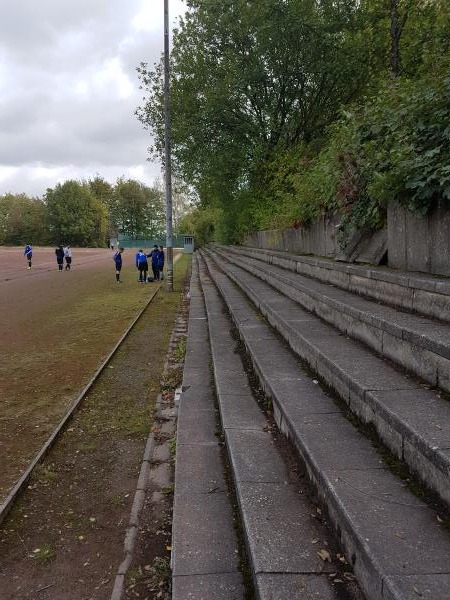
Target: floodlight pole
x: 168, y: 164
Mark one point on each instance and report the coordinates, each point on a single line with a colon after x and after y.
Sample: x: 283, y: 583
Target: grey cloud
x: 60, y: 106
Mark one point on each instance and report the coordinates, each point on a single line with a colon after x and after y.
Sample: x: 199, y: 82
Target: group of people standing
x: 157, y: 261
x: 62, y: 253
x: 156, y: 256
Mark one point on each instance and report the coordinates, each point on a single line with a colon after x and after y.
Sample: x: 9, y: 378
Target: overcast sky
x: 69, y: 89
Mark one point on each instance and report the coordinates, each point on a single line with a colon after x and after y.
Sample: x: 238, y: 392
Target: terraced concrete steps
x: 205, y: 561
x: 283, y: 537
x: 397, y: 547
x: 425, y: 294
x: 413, y: 422
x: 419, y: 344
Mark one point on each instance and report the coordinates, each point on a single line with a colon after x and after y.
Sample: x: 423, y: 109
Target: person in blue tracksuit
x: 29, y: 254
x: 142, y: 265
x: 161, y: 262
x: 154, y: 254
x: 118, y: 260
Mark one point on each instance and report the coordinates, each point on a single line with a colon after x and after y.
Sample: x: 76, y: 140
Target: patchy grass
x: 173, y: 447
x: 44, y: 555
x: 180, y: 350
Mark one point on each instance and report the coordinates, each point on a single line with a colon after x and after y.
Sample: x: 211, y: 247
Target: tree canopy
x: 84, y: 213
x: 260, y: 89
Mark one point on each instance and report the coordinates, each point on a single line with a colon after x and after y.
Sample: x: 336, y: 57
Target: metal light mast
x: 168, y: 170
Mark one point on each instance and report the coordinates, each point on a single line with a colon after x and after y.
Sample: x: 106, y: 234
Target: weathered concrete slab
x: 240, y: 412
x: 203, y: 535
x: 223, y: 586
x: 199, y: 469
x: 301, y: 397
x: 198, y: 427
x: 198, y: 397
x: 196, y: 376
x: 281, y: 533
x: 254, y: 457
x: 404, y: 536
x: 227, y: 381
x: 335, y: 443
x: 292, y: 587
x: 428, y: 587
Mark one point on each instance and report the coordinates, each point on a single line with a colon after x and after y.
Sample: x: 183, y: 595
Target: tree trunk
x: 395, y: 40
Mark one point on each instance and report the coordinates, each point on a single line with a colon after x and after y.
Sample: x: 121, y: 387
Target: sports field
x: 55, y: 330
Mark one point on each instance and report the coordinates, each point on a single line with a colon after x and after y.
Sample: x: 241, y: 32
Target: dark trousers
x: 143, y: 268
x: 155, y: 269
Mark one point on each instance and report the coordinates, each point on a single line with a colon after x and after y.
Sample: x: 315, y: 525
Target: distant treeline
x: 283, y: 110
x: 83, y: 213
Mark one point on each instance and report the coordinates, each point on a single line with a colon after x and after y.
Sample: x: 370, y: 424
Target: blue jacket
x: 28, y: 251
x: 118, y: 260
x: 161, y: 258
x: 155, y: 257
x: 141, y: 257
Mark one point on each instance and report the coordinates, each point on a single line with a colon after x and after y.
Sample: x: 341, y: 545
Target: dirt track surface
x: 64, y: 538
x: 55, y: 329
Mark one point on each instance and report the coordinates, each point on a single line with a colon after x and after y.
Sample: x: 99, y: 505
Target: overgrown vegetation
x: 284, y: 110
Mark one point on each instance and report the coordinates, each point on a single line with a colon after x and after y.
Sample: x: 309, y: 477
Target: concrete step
x: 397, y: 546
x: 413, y: 422
x: 205, y: 560
x: 282, y: 533
x: 418, y: 344
x: 424, y: 294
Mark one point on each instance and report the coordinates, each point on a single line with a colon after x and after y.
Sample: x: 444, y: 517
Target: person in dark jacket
x: 154, y: 254
x: 142, y: 265
x: 161, y: 262
x: 60, y: 257
x: 29, y: 254
x: 118, y: 261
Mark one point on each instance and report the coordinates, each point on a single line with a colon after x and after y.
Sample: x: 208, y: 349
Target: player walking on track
x: 68, y: 257
x: 29, y: 254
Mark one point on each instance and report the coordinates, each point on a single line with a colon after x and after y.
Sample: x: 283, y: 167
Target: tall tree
x: 75, y: 215
x: 22, y: 220
x: 250, y: 77
x: 137, y: 210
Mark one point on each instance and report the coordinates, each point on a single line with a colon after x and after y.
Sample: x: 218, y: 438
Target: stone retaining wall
x: 414, y: 243
x: 418, y: 243
x: 319, y: 239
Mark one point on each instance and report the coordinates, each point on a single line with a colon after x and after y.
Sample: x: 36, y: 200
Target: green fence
x: 127, y: 242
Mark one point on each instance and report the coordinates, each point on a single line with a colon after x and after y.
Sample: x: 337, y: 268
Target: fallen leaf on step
x: 417, y: 591
x: 400, y: 535
x: 324, y: 555
x: 439, y: 520
x: 314, y: 541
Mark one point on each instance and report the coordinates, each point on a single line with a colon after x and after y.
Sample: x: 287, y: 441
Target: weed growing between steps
x: 343, y: 579
x: 244, y: 565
